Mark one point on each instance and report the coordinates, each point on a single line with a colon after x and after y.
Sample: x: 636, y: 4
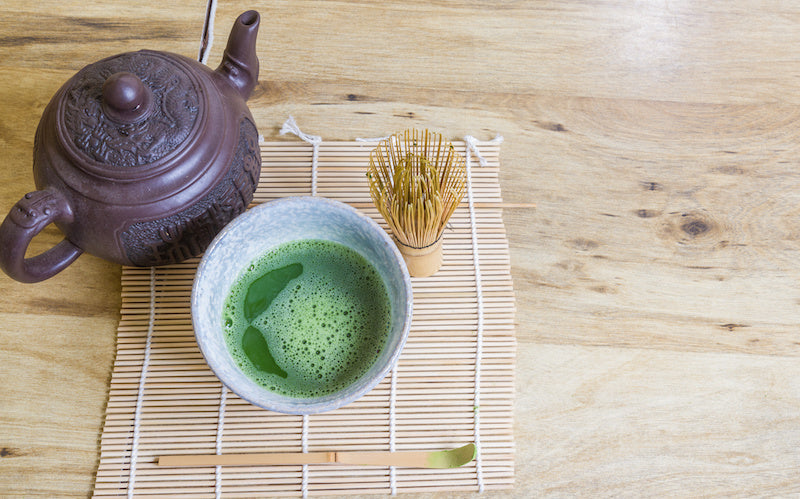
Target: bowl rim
x: 329, y: 402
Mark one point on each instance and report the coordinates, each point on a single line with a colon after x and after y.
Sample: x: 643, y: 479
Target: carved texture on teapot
x: 175, y: 110
x: 188, y: 233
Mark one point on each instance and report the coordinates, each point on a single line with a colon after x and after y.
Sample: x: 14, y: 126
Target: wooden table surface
x: 657, y: 279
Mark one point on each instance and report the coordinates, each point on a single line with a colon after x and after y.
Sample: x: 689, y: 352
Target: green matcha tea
x: 307, y: 319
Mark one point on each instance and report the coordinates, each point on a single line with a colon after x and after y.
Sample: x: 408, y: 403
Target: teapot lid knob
x: 125, y: 98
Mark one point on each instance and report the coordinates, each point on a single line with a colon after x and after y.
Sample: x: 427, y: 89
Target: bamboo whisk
x: 416, y: 181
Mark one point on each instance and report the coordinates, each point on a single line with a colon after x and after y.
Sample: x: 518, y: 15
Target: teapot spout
x: 239, y: 64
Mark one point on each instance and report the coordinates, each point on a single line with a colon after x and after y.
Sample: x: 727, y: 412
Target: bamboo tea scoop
x: 411, y: 459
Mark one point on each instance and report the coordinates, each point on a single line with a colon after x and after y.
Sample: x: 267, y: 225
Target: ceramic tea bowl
x: 255, y: 233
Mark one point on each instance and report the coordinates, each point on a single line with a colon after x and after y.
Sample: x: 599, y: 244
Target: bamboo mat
x: 453, y: 384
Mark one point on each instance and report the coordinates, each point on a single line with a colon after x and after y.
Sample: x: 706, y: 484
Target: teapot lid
x: 130, y: 110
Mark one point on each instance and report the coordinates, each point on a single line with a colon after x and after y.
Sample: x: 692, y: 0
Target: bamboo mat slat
x: 453, y: 384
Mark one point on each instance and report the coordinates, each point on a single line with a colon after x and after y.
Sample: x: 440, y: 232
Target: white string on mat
x: 392, y: 405
x: 223, y: 397
x: 372, y: 139
x: 304, y: 444
x: 472, y: 150
x: 137, y: 415
x: 290, y: 126
x: 472, y: 145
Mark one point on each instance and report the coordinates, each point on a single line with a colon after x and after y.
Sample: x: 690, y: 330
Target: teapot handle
x: 35, y: 211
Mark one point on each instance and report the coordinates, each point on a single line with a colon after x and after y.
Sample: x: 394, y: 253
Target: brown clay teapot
x: 140, y: 159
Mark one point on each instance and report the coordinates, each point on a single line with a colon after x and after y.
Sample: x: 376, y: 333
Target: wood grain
x: 656, y: 280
